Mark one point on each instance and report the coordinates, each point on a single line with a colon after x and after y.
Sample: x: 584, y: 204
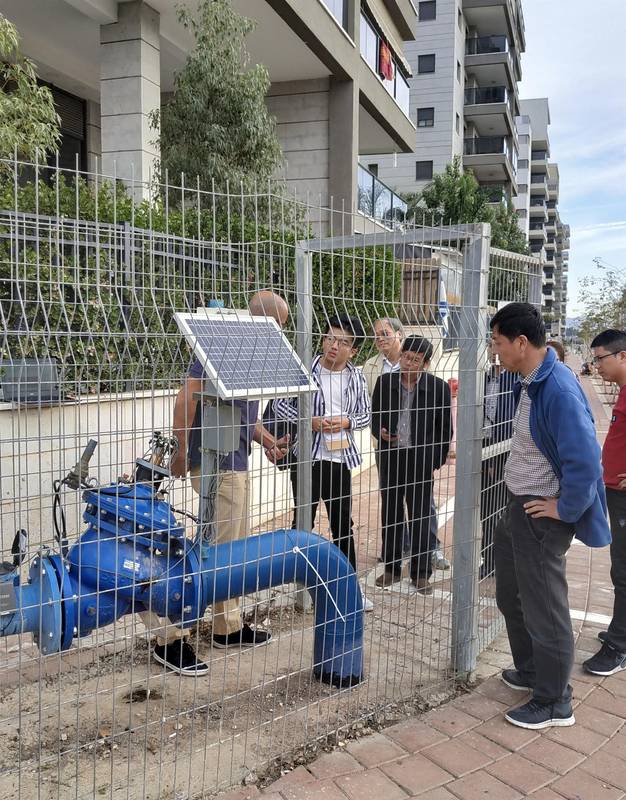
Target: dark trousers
x: 403, y: 481
x: 531, y: 592
x: 616, y: 501
x: 331, y: 481
x: 493, y: 498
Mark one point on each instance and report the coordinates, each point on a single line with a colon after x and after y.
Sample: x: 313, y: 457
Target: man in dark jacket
x: 555, y: 491
x: 412, y: 423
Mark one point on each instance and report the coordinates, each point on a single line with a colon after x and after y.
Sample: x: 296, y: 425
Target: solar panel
x: 244, y: 356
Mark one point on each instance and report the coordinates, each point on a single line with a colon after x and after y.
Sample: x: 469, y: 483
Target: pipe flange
x: 43, y: 576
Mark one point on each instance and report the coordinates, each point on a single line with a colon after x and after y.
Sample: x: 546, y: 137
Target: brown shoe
x: 422, y: 586
x: 387, y: 578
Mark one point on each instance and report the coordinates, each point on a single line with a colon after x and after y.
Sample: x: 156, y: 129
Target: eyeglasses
x: 330, y: 339
x: 597, y: 359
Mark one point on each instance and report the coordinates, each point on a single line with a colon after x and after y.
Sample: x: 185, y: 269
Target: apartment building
x: 339, y: 84
x: 539, y: 197
x: 465, y: 61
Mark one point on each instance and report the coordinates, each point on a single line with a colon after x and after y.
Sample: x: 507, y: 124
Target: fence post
x: 466, y: 530
x: 304, y: 348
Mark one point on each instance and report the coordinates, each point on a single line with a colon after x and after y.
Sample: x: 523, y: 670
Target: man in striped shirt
x: 340, y: 407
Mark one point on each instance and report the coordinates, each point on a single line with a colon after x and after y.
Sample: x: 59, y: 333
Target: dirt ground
x: 103, y: 720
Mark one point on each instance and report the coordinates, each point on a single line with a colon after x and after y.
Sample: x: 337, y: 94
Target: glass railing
x: 481, y: 45
x: 397, y: 86
x: 539, y: 155
x: 535, y: 200
x: 535, y: 226
x: 482, y: 95
x: 538, y: 179
x: 339, y: 10
x: 377, y: 200
x: 490, y: 145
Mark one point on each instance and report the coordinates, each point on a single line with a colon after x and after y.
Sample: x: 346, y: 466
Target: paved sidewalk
x: 465, y: 750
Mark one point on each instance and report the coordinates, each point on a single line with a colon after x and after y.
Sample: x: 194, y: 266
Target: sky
x: 576, y: 56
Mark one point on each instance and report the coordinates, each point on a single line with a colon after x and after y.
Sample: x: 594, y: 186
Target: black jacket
x: 431, y: 419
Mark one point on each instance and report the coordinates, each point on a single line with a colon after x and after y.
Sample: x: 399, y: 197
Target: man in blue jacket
x: 555, y: 492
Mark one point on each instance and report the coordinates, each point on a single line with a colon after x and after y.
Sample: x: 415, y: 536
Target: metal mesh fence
x: 125, y: 655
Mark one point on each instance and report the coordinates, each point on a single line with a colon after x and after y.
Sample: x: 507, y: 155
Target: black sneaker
x: 535, y: 716
x: 607, y: 661
x: 246, y: 637
x: 179, y: 656
x: 514, y: 680
x: 602, y: 636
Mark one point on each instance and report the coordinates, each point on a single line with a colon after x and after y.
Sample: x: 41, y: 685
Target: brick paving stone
x: 521, y: 774
x: 496, y: 689
x: 369, y: 784
x: 505, y: 734
x: 416, y: 774
x: 479, y: 706
x: 591, y: 717
x: 482, y: 786
x: 414, y: 735
x: 545, y: 794
x: 374, y: 750
x: 552, y: 755
x: 607, y: 767
x: 581, y: 689
x: 617, y: 745
x: 297, y: 777
x: 579, y: 738
x: 271, y: 795
x: 456, y: 757
x: 332, y: 764
x: 450, y: 721
x: 316, y: 790
x: 441, y: 794
x: 483, y: 745
x: 244, y: 793
x: 606, y: 701
x: 615, y: 685
x: 580, y: 785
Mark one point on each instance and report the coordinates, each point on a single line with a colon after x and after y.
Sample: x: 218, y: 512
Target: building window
x: 427, y: 10
x: 522, y: 163
x: 524, y: 138
x: 423, y: 170
x: 458, y: 71
x: 373, y: 168
x: 425, y: 117
x: 458, y: 124
x: 426, y: 64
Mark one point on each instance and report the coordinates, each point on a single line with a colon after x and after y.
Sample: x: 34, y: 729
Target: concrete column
x: 130, y: 88
x: 343, y: 152
x: 94, y: 136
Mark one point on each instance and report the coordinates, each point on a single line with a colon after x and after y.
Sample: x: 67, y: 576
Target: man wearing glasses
x: 555, y: 492
x: 609, y: 358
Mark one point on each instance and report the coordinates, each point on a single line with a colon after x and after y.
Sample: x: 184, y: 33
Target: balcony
x: 377, y: 201
x: 492, y: 159
x: 537, y: 231
x: 538, y: 207
x: 398, y: 86
x: 491, y: 60
x: 539, y: 161
x: 490, y: 108
x: 487, y: 16
x: 539, y: 183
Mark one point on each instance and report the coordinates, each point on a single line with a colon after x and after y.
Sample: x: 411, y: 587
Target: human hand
x: 542, y: 508
x: 178, y: 465
x: 278, y: 450
x: 317, y: 424
x: 386, y: 436
x: 338, y: 424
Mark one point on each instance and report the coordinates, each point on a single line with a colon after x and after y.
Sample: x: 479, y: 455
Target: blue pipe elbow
x: 259, y: 562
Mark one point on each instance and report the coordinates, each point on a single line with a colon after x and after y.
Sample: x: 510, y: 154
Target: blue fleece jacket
x: 562, y: 427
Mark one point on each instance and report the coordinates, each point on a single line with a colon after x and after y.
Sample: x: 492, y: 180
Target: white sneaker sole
x: 537, y: 726
x: 189, y: 673
x: 621, y: 668
x: 515, y: 686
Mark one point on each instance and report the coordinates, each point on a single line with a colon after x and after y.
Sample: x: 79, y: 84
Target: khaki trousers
x: 231, y: 523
